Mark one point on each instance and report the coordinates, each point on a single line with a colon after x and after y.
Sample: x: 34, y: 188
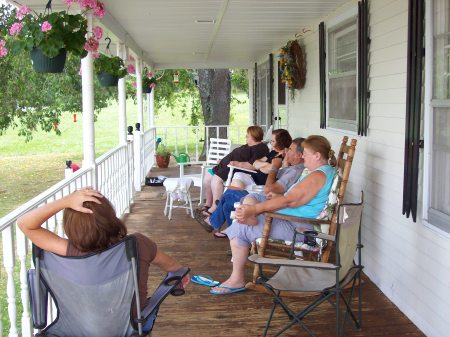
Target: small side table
x: 178, y: 189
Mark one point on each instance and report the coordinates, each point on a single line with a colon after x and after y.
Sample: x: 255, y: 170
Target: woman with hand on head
x: 306, y: 199
x: 91, y: 225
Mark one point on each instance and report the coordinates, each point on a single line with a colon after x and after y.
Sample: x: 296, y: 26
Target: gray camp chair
x: 326, y: 279
x: 94, y: 294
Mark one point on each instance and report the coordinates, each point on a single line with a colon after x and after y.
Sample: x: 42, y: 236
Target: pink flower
x: 98, y: 32
x: 131, y: 69
x: 99, y: 10
x: 91, y: 44
x: 46, y: 26
x: 3, y: 50
x: 149, y: 74
x: 87, y: 4
x: 95, y: 55
x: 15, y: 29
x: 134, y: 84
x: 152, y: 85
x: 131, y: 58
x: 23, y: 10
x: 69, y: 2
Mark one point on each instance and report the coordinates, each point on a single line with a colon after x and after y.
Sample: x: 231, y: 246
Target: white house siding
x: 408, y: 261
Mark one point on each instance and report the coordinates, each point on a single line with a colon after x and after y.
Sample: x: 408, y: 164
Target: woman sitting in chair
x: 280, y: 141
x: 306, y: 198
x: 91, y: 225
x: 213, y: 182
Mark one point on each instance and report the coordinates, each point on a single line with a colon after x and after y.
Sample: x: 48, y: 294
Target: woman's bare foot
x: 234, y: 284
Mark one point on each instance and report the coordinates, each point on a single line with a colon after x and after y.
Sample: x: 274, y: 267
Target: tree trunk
x: 214, y: 86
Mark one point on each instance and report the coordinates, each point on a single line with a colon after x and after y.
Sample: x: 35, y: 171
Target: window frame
x: 331, y: 25
x: 429, y: 105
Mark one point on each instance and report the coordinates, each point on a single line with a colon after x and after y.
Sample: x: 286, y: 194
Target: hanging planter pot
x: 107, y: 80
x: 44, y: 64
x: 146, y: 90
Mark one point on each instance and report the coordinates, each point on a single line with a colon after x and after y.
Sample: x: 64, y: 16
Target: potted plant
x: 109, y: 69
x: 162, y: 156
x: 148, y: 81
x: 50, y: 35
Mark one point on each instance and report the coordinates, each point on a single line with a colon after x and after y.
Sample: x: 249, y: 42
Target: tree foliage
x: 32, y: 100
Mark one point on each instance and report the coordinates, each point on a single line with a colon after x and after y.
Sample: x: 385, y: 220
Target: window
x: 342, y: 74
x: 439, y: 136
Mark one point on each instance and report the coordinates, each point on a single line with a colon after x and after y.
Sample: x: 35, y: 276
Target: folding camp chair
x: 93, y: 294
x: 328, y: 279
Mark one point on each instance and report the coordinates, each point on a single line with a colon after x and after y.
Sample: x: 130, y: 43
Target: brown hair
x: 282, y: 138
x: 322, y: 145
x: 90, y: 232
x: 299, y: 142
x: 256, y: 133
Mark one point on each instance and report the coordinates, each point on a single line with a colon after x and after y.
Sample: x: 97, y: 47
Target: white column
x: 151, y: 108
x: 87, y: 68
x: 140, y: 112
x: 122, y: 100
x: 137, y: 159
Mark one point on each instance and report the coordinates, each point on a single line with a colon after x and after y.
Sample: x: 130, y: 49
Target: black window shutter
x: 271, y: 80
x: 255, y: 94
x: 281, y: 87
x: 322, y: 75
x: 415, y: 54
x: 363, y: 68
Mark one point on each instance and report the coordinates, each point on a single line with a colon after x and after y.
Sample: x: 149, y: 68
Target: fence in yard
x: 117, y: 174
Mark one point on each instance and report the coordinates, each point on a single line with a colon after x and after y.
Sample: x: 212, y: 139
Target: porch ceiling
x: 243, y: 31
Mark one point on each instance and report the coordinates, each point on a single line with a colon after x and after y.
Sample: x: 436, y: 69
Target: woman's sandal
x: 220, y: 235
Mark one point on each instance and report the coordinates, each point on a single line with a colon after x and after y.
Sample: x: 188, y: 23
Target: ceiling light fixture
x: 207, y: 21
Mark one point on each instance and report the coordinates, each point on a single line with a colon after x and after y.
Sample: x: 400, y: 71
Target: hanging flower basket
x: 107, y: 80
x: 146, y: 90
x: 44, y: 64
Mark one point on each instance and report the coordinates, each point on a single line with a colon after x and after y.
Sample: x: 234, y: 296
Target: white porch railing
x: 114, y: 175
x: 189, y: 139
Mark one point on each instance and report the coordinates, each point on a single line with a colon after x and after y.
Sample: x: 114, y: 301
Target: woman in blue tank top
x: 306, y: 198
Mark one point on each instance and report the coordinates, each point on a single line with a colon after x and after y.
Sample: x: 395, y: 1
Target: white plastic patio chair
x: 218, y: 148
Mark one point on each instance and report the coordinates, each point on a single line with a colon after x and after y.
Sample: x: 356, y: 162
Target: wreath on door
x: 292, y: 63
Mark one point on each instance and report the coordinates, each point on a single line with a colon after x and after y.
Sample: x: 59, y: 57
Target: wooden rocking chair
x: 325, y: 224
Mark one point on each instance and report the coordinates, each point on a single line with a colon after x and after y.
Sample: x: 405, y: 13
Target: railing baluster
x: 187, y: 140
x: 9, y: 263
x: 22, y: 250
x: 196, y: 143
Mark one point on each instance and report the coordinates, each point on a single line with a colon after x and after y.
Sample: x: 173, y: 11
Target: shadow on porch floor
x: 200, y: 314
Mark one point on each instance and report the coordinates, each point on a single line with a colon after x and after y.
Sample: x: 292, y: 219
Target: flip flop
x: 203, y: 208
x: 230, y: 290
x: 220, y: 235
x: 207, y: 227
x: 204, y: 280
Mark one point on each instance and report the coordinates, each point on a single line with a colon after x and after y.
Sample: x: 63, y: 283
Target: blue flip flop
x: 230, y: 290
x: 204, y: 280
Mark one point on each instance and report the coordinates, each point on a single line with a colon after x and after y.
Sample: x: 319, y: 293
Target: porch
x: 244, y: 314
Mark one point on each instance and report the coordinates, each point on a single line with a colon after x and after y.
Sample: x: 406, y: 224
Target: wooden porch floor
x: 200, y: 314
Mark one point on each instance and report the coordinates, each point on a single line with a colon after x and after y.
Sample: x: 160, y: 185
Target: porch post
x: 87, y: 80
x: 151, y: 108
x: 122, y: 100
x: 140, y: 113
